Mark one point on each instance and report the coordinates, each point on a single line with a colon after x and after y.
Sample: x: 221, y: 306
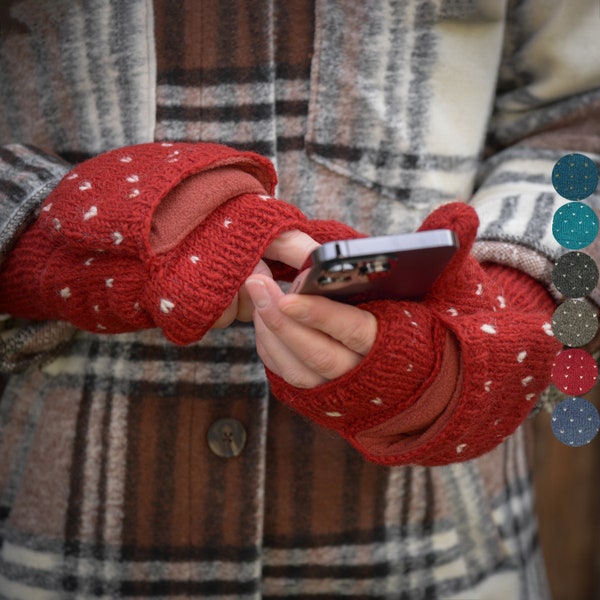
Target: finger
x: 245, y: 307
x: 280, y: 360
x: 241, y: 306
x: 292, y: 248
x: 355, y: 328
x: 316, y: 350
x: 228, y: 316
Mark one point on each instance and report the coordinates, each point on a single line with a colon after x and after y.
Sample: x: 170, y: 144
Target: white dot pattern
x: 166, y: 306
x: 91, y: 213
x: 117, y: 238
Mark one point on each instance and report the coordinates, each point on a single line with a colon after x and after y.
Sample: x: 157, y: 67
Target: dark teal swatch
x: 575, y: 176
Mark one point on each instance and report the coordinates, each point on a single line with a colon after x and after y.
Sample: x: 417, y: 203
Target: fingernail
x: 258, y: 293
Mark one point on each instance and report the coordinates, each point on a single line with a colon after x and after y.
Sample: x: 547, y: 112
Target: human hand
x: 440, y: 380
x: 291, y: 248
x: 165, y: 241
x: 307, y: 340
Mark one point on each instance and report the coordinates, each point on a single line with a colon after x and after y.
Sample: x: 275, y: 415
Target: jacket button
x: 226, y: 437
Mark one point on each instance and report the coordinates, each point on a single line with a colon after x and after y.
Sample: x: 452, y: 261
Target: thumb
x: 245, y: 306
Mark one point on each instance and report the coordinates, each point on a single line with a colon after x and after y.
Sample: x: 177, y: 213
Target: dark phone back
x: 398, y: 267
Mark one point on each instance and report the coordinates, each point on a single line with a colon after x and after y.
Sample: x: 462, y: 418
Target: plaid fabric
x: 28, y: 175
x: 76, y: 76
x: 108, y: 489
x: 107, y: 486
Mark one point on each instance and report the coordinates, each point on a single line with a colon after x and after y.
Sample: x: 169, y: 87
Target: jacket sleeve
x: 27, y: 176
x: 547, y: 106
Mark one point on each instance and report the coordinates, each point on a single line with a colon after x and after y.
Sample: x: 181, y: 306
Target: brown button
x: 226, y: 437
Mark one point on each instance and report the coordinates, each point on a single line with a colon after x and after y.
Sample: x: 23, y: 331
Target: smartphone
x: 394, y: 267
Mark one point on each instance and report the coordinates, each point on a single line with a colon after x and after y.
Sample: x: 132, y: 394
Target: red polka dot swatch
x: 575, y: 421
x: 575, y: 371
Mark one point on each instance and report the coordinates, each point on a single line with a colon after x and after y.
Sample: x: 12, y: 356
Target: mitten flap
x: 108, y: 202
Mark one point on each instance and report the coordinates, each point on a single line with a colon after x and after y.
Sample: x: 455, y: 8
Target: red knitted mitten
x: 118, y: 246
x: 450, y: 377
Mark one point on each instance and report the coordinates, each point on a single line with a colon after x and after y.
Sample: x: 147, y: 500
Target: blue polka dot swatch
x: 575, y: 177
x: 575, y: 421
x: 575, y: 225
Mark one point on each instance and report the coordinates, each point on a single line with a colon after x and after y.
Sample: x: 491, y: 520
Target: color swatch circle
x: 575, y: 422
x: 575, y: 274
x: 574, y: 371
x: 575, y: 225
x: 574, y: 323
x: 575, y: 177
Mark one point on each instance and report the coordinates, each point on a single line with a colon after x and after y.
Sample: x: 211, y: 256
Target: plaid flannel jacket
x: 374, y: 113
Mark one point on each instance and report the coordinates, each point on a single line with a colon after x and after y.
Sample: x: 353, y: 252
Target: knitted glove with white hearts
x: 449, y: 377
x: 153, y: 235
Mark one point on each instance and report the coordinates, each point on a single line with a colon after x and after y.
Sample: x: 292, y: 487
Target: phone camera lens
x: 341, y: 268
x: 337, y: 273
x: 375, y: 266
x: 334, y: 278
